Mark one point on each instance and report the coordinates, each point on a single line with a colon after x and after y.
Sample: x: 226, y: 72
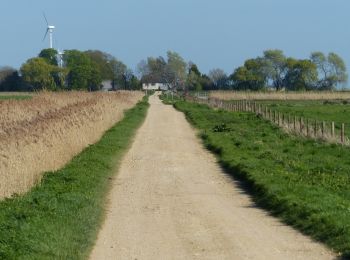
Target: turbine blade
x: 46, y: 34
x: 45, y: 19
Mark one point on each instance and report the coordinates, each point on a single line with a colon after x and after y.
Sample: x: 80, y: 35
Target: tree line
x: 77, y: 70
x: 273, y: 70
x: 86, y: 71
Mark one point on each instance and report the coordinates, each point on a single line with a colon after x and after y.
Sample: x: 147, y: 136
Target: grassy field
x: 45, y: 132
x: 60, y: 218
x: 321, y: 110
x: 273, y: 95
x: 304, y: 182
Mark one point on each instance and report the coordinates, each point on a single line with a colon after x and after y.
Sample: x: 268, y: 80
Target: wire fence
x: 315, y: 129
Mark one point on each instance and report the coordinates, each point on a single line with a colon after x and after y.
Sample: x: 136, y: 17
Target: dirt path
x: 171, y: 200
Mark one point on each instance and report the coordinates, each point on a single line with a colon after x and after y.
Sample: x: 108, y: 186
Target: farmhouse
x: 151, y: 82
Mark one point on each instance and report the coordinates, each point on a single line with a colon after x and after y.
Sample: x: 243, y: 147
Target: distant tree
x: 252, y: 75
x: 331, y: 69
x: 135, y: 83
x: 50, y: 56
x: 301, y: 75
x: 119, y: 70
x: 38, y: 73
x: 275, y: 67
x: 176, y: 70
x: 192, y: 68
x: 5, y: 72
x: 101, y: 60
x: 83, y: 72
x: 11, y: 81
x: 142, y: 69
x: 194, y: 78
x: 172, y: 71
x: 218, y: 78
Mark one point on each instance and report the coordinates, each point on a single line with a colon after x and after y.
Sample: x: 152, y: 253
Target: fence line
x: 291, y: 123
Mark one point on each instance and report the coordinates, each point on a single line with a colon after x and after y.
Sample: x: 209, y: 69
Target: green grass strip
x: 15, y: 97
x: 60, y: 218
x: 305, y: 183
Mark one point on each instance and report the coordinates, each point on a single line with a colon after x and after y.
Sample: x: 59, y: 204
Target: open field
x: 60, y: 218
x: 304, y: 182
x: 247, y: 95
x: 45, y: 132
x: 319, y: 110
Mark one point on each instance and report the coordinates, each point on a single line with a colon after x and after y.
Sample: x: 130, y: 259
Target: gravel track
x: 170, y: 200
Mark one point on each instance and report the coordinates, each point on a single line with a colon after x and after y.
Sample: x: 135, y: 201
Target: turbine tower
x: 49, y: 31
x: 60, y: 58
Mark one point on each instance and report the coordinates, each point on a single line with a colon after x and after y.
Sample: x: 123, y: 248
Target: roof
x: 152, y: 78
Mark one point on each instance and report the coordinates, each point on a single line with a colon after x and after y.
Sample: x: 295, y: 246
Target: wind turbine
x: 60, y: 58
x: 49, y: 31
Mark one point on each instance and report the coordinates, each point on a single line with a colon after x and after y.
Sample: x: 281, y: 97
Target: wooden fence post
x: 315, y: 129
x: 333, y: 129
x: 295, y: 123
x: 323, y: 128
x: 307, y: 128
x: 288, y: 120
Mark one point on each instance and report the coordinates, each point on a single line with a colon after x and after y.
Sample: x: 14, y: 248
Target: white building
x: 152, y: 82
x: 154, y: 86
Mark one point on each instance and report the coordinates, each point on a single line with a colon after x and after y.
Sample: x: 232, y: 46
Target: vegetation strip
x: 305, y: 183
x: 60, y: 218
x: 15, y: 97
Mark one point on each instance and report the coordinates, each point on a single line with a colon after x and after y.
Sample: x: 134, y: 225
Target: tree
x: 39, y: 74
x: 171, y: 72
x: 301, y: 75
x: 83, y: 72
x: 218, y: 78
x: 5, y: 72
x: 50, y: 56
x: 331, y: 69
x: 135, y: 83
x: 119, y: 69
x: 142, y: 69
x: 102, y: 61
x: 251, y: 76
x: 194, y: 78
x: 275, y: 65
x: 10, y: 80
x: 176, y: 69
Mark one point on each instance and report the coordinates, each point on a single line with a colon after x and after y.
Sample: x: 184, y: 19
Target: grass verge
x: 169, y: 99
x: 305, y: 183
x: 60, y: 218
x: 15, y: 97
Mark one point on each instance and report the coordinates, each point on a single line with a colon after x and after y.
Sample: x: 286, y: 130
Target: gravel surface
x: 171, y: 200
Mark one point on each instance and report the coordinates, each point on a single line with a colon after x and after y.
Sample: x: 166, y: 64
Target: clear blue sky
x: 220, y: 33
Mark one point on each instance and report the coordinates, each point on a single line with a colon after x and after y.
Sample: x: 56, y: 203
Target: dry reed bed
x: 44, y: 133
x: 246, y: 95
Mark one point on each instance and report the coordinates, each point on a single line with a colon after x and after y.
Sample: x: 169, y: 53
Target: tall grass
x: 60, y: 218
x: 44, y: 133
x: 312, y: 95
